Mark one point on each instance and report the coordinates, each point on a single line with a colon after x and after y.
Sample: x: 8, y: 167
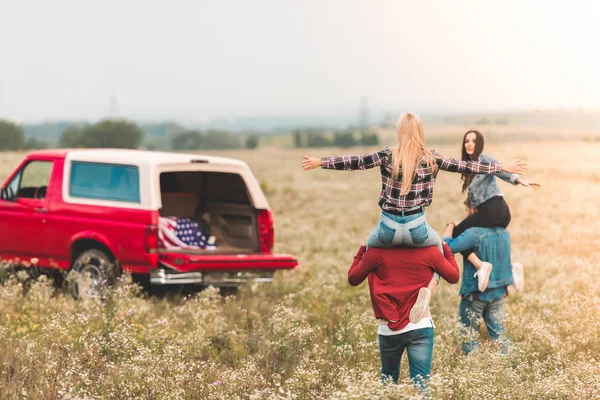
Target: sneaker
x: 483, y: 276
x: 518, y: 276
x: 418, y: 309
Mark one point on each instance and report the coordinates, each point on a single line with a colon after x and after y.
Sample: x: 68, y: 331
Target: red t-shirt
x: 396, y: 275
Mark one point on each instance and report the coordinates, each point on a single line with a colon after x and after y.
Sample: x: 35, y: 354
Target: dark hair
x: 467, y: 203
x: 466, y: 178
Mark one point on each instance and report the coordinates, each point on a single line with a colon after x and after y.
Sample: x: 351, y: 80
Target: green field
x: 309, y: 335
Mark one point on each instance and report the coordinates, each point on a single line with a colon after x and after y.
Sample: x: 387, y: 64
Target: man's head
x: 469, y: 207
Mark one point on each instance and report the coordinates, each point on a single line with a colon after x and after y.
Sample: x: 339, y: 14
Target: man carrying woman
x: 396, y: 276
x: 492, y: 245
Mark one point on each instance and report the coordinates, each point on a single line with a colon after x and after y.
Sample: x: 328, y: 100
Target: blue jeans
x: 471, y: 312
x: 396, y: 230
x: 418, y: 345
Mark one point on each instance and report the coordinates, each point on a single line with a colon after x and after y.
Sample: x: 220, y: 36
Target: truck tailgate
x: 235, y: 262
x: 218, y: 270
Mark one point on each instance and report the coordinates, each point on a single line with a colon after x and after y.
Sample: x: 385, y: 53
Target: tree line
x: 313, y: 137
x: 118, y: 133
x: 126, y: 134
x: 212, y: 139
x: 113, y: 133
x: 12, y: 138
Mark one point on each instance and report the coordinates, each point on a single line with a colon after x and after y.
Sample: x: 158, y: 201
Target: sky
x: 193, y: 60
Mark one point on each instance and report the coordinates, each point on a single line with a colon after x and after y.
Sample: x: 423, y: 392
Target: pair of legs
x: 419, y: 346
x: 403, y: 230
x: 492, y: 312
x: 412, y: 231
x: 493, y: 212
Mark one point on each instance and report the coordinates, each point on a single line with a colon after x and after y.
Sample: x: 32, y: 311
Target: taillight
x: 151, y: 238
x: 265, y: 231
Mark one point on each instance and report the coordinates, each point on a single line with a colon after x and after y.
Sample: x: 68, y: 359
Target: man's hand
x: 515, y: 167
x: 449, y: 229
x: 310, y: 163
x: 528, y: 184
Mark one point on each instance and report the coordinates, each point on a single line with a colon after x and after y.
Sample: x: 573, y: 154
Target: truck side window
x: 99, y: 181
x: 32, y: 181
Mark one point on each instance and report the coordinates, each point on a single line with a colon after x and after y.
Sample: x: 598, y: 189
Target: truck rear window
x: 211, y: 186
x: 113, y: 182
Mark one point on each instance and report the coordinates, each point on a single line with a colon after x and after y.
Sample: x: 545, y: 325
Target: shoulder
x: 476, y: 232
x: 501, y: 231
x: 372, y: 256
x: 494, y: 235
x: 494, y: 231
x: 431, y: 252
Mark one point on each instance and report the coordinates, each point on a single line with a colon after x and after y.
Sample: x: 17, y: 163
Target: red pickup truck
x: 169, y: 217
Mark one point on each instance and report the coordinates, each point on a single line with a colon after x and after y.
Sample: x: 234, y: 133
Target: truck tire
x: 228, y: 291
x: 96, y: 270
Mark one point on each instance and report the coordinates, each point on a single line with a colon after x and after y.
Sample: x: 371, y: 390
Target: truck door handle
x: 40, y: 209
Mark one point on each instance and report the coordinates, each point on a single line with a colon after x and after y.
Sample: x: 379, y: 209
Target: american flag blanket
x: 182, y: 233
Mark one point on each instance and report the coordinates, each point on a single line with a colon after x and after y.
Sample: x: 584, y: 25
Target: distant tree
x: 71, y: 137
x: 112, y: 134
x: 212, y: 139
x: 318, y: 139
x: 11, y: 136
x: 190, y: 140
x: 369, y: 139
x: 344, y: 139
x: 297, y: 139
x: 174, y: 129
x: 33, y: 143
x: 252, y: 142
x: 218, y: 139
x: 106, y: 134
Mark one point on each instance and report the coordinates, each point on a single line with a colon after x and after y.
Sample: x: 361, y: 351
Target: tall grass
x: 309, y: 335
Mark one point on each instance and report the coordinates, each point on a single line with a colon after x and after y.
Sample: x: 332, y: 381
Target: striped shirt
x: 421, y: 188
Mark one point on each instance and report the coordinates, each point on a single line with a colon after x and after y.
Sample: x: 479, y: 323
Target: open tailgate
x: 222, y: 270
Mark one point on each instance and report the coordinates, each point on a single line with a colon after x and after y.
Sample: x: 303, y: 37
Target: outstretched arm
x: 525, y: 183
x: 345, y: 163
x: 505, y: 176
x: 477, y: 167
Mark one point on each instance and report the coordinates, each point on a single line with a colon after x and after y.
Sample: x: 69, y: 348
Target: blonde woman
x: 408, y: 173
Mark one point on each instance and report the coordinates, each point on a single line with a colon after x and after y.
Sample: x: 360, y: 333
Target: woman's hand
x: 310, y: 163
x: 515, y: 167
x: 530, y: 185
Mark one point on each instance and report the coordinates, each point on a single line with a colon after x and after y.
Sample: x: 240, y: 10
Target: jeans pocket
x: 422, y: 336
x: 419, y: 234
x: 385, y: 234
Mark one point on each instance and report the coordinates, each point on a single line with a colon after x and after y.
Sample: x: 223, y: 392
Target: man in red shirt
x: 396, y: 276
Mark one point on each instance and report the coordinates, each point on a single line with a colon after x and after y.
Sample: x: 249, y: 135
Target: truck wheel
x: 96, y: 271
x: 228, y: 291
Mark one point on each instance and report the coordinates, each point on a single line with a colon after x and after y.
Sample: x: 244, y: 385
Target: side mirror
x: 6, y: 193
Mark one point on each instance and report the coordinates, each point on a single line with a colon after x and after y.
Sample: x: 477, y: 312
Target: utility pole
x: 363, y: 114
x: 113, y: 106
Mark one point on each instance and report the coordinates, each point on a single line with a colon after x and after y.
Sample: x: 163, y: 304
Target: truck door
x: 23, y: 212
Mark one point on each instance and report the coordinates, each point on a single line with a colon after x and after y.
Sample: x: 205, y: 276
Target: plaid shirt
x: 421, y: 189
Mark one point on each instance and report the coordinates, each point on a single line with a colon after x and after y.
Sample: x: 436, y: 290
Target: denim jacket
x: 483, y: 186
x: 491, y: 245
